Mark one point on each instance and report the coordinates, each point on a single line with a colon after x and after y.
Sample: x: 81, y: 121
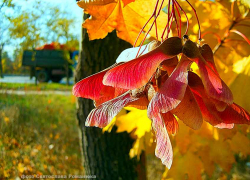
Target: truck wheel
x: 43, y: 76
x: 56, y: 79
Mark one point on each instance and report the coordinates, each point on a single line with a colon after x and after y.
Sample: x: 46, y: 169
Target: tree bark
x: 106, y: 155
x: 1, y: 65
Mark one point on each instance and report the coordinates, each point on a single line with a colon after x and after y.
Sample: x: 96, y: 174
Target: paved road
x: 30, y: 92
x: 26, y: 79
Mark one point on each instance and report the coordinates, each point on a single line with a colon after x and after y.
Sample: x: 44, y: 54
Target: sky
x: 68, y: 5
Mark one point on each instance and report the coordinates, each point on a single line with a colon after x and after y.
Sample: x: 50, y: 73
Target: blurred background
x: 39, y: 133
x: 38, y: 128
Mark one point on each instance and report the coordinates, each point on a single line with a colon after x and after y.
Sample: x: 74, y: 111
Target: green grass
x: 38, y: 87
x: 38, y: 135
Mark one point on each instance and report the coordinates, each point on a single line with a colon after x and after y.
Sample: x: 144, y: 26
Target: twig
x: 216, y: 48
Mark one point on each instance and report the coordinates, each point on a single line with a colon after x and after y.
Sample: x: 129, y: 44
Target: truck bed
x: 45, y: 58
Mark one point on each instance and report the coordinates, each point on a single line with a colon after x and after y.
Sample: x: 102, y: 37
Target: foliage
x: 126, y: 17
x: 211, y: 153
x: 208, y: 153
x: 3, y: 18
x: 38, y: 135
x: 40, y: 24
x: 7, y: 64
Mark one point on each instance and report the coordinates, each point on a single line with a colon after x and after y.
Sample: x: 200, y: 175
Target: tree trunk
x: 1, y: 65
x: 106, y: 155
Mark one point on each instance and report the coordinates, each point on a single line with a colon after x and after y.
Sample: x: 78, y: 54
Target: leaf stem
x: 196, y: 18
x: 242, y: 35
x: 184, y: 14
x: 153, y: 15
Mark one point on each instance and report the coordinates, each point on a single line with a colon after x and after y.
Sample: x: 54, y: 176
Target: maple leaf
x: 240, y: 86
x: 125, y: 17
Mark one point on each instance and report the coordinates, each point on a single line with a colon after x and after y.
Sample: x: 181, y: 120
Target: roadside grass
x: 38, y: 87
x: 38, y: 135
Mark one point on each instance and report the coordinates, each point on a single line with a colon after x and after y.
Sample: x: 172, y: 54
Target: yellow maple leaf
x: 137, y: 123
x: 135, y: 119
x: 109, y: 15
x: 6, y: 119
x: 240, y: 144
x: 20, y: 167
x: 240, y: 87
x: 6, y: 173
x: 187, y: 166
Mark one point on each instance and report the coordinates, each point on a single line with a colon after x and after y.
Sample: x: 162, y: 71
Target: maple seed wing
x: 102, y: 115
x: 92, y: 87
x: 130, y: 53
x: 172, y: 91
x: 137, y: 72
x: 189, y: 111
x: 170, y: 122
x: 195, y: 82
x: 89, y: 87
x: 235, y: 114
x: 214, y: 86
x: 163, y: 148
x: 207, y: 54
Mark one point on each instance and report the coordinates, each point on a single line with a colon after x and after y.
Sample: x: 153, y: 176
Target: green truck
x: 48, y: 65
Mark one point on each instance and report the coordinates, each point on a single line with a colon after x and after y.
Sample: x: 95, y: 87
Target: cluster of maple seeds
x: 159, y: 79
x: 164, y: 85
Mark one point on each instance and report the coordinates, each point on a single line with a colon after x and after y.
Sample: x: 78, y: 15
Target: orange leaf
x: 109, y: 15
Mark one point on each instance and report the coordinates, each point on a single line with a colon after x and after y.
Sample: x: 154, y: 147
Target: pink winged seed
x: 163, y: 148
x: 137, y: 72
x: 213, y: 84
x: 206, y: 113
x: 234, y: 114
x: 189, y: 111
x: 130, y: 53
x: 195, y: 82
x: 170, y: 122
x: 102, y: 115
x: 90, y: 87
x: 172, y: 91
x: 207, y: 54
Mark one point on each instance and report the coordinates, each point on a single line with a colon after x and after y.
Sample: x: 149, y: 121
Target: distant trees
x: 3, y: 29
x: 27, y: 27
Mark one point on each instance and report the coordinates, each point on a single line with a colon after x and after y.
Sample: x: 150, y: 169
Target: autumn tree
x: 221, y: 24
x: 40, y: 23
x: 3, y: 28
x: 106, y: 155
